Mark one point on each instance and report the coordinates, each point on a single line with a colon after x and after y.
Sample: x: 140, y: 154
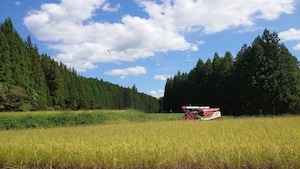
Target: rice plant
x: 261, y: 142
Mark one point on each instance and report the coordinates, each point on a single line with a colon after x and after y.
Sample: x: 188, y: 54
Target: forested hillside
x: 262, y: 79
x: 33, y: 81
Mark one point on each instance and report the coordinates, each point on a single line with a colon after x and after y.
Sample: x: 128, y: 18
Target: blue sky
x: 143, y: 42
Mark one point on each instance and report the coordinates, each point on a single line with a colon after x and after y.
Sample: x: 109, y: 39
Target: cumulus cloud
x: 162, y: 77
x: 297, y: 47
x: 291, y: 35
x: 215, y: 16
x: 18, y: 3
x: 137, y: 70
x: 157, y: 93
x: 81, y: 42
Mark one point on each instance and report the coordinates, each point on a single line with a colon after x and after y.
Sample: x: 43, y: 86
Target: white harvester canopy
x: 194, y: 107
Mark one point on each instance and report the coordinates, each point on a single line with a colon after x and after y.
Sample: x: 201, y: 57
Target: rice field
x: 254, y: 142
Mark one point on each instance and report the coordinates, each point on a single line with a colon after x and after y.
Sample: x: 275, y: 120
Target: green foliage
x: 5, y: 66
x: 74, y: 118
x: 263, y: 79
x: 12, y: 97
x: 38, y: 88
x: 269, y: 77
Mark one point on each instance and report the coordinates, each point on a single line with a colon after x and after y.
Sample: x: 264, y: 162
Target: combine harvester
x: 200, y: 113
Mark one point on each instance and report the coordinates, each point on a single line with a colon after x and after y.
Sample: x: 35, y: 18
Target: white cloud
x: 162, y: 77
x: 297, y: 47
x: 137, y: 70
x: 291, y: 35
x: 216, y: 16
x: 18, y: 3
x: 80, y: 42
x: 158, y: 93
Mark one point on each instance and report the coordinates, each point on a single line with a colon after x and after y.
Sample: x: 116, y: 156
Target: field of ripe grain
x: 261, y: 142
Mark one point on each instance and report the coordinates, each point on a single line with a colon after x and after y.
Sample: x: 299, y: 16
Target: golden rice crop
x: 264, y: 142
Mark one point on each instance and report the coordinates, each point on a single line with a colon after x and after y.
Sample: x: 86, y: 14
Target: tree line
x: 263, y: 79
x: 32, y: 81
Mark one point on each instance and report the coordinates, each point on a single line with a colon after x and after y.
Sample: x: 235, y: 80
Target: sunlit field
x: 261, y: 142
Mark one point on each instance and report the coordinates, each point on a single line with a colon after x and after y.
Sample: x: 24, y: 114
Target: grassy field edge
x: 46, y: 119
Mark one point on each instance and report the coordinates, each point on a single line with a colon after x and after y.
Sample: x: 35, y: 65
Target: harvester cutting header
x: 200, y: 113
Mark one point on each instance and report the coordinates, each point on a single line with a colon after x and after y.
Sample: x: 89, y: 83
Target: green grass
x: 261, y: 142
x: 45, y: 119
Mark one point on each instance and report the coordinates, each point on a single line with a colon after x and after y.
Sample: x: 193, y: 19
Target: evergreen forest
x: 263, y: 79
x: 31, y: 81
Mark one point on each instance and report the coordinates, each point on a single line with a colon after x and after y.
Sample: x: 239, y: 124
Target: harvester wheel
x: 197, y: 117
